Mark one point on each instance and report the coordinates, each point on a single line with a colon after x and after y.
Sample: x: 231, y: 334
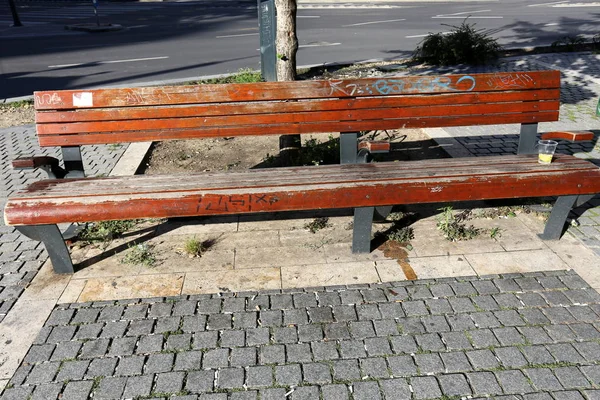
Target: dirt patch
x: 16, y: 116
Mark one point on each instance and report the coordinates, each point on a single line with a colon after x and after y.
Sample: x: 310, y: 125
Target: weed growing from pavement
x: 140, y: 254
x: 317, y: 224
x: 401, y: 235
x: 18, y: 104
x: 194, y: 247
x: 103, y: 231
x: 453, y: 225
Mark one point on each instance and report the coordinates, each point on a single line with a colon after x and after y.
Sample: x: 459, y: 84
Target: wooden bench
x: 73, y: 118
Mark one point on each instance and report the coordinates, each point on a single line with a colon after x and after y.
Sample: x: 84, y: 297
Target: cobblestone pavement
x: 21, y: 258
x: 517, y: 336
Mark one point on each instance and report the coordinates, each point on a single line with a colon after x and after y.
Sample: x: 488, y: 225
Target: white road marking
x: 308, y: 16
x: 375, y: 22
x: 577, y: 5
x: 242, y: 34
x: 546, y: 4
x: 552, y: 24
x: 427, y: 34
x: 318, y: 45
x: 137, y: 26
x: 463, y: 13
x: 108, y: 62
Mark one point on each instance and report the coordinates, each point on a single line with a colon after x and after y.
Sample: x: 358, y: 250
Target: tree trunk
x: 287, y: 41
x: 287, y: 46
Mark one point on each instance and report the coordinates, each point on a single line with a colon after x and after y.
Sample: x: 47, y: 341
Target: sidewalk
x: 273, y: 311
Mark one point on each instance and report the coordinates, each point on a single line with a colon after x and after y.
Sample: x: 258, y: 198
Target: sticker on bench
x: 83, y: 99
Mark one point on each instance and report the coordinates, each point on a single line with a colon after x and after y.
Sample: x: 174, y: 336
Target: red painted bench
x: 82, y: 117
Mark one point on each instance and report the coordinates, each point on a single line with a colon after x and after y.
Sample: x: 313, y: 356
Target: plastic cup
x: 546, y: 149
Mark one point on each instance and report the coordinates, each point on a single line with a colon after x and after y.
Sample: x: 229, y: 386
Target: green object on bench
x: 73, y: 118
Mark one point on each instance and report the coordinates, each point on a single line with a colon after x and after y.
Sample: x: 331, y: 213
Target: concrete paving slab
x: 389, y: 271
x: 329, y: 274
x: 73, y: 291
x: 236, y: 280
x: 441, y: 266
x: 18, y: 330
x: 515, y: 261
x: 199, y: 226
x: 127, y: 287
x: 47, y: 285
x: 284, y: 256
x: 577, y: 256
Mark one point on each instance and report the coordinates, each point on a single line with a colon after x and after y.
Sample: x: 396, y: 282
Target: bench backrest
x: 103, y: 116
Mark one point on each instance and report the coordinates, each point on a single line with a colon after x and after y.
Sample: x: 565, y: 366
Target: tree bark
x: 287, y: 46
x: 287, y: 41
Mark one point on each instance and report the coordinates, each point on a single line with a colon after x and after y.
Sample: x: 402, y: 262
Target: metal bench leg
x: 55, y: 245
x: 361, y: 236
x: 558, y: 217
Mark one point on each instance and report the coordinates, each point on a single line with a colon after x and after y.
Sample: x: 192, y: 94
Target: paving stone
x: 101, y: 367
x: 205, y: 340
x: 272, y: 394
x: 310, y: 333
x: 412, y: 325
x: 403, y: 344
x: 216, y: 358
x: 39, y: 353
x: 77, y: 390
x: 138, y: 386
x: 513, y: 382
x: 157, y: 363
x: 61, y: 334
x: 167, y: 325
x: 456, y: 341
x: 305, y: 393
x: 361, y: 329
x: 200, y: 381
x: 43, y: 373
x: 295, y: 317
x: 218, y: 322
x: 346, y: 370
x: 316, y: 373
x: 390, y: 310
x: 169, y: 382
x: 334, y: 392
x: 484, y: 383
x: 508, y: 336
x: 49, y: 391
x: 455, y: 361
x: 429, y: 363
x: 230, y: 378
x: 60, y: 317
x: 72, y: 370
x: 305, y: 300
x: 132, y: 365
x: 482, y: 320
x: 299, y: 352
x: 378, y: 346
x: 565, y: 352
x: 184, y: 308
x: 402, y: 366
x: 246, y: 395
x: 272, y: 354
x: 324, y: 351
x: 185, y: 361
x: 375, y: 367
x: 543, y: 379
x: 571, y: 378
x: 110, y: 388
x: 288, y: 375
x: 259, y: 376
x: 560, y: 333
x: 194, y: 323
x: 537, y: 355
x: 345, y: 313
x: 568, y: 395
x: 233, y: 338
x: 243, y: 320
x: 454, y: 385
x: 352, y: 349
x: 461, y: 322
x: 142, y: 327
x: 366, y: 390
x: 425, y: 387
x: 510, y: 357
x: 435, y: 323
x: 243, y: 357
x: 149, y: 344
x: 482, y: 359
x: 285, y: 335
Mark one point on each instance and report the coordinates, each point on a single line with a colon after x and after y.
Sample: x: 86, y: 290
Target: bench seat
x: 294, y: 188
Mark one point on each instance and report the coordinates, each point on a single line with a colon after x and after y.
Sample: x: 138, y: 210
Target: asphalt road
x: 178, y: 40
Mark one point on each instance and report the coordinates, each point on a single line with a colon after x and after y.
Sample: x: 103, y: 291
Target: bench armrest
x: 48, y: 164
x: 375, y: 146
x: 573, y: 136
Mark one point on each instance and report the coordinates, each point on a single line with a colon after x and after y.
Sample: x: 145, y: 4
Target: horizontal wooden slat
x: 266, y: 120
x: 501, y: 81
x: 268, y: 107
x: 431, y: 181
x: 294, y: 128
x: 294, y: 176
